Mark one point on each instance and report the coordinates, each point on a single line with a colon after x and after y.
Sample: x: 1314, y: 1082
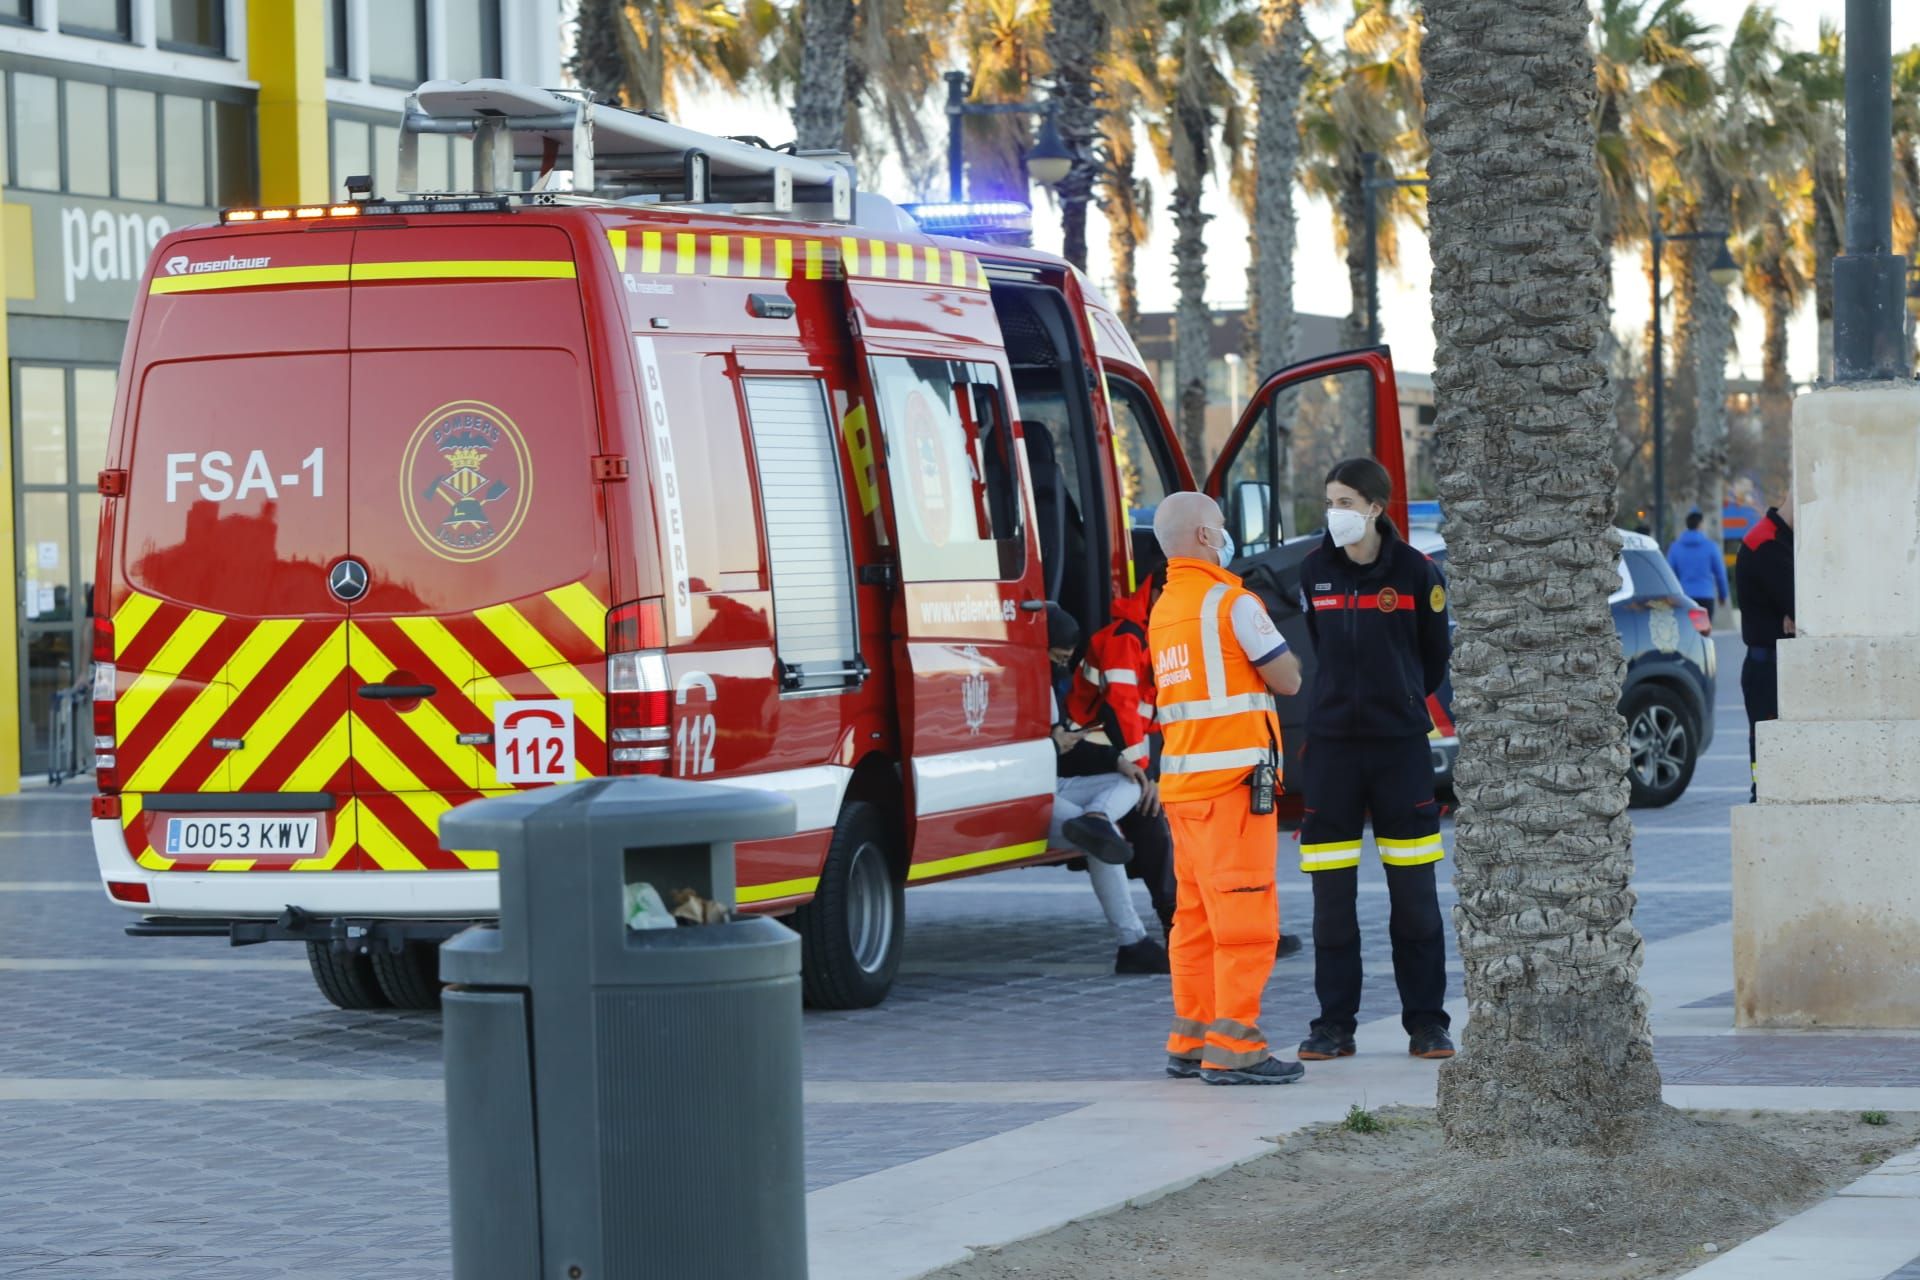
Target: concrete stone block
x: 1837, y: 761
x: 1826, y: 915
x: 1849, y: 677
x: 1856, y: 475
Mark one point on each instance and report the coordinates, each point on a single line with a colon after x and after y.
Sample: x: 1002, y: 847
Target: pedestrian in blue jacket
x: 1699, y: 564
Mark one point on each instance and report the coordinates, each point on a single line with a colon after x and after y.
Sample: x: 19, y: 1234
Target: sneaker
x: 1144, y: 956
x: 1429, y: 1042
x: 1182, y: 1068
x: 1095, y: 833
x: 1289, y: 945
x: 1323, y: 1045
x: 1272, y: 1071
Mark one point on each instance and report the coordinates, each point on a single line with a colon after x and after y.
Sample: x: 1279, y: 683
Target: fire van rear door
x: 969, y: 628
x: 230, y: 648
x: 478, y: 650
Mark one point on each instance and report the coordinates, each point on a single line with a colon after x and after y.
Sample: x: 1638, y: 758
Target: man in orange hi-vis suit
x: 1217, y: 662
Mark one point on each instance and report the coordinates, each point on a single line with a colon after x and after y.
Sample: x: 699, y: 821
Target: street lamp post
x: 1723, y: 271
x: 1370, y: 183
x: 1049, y: 161
x: 1869, y: 339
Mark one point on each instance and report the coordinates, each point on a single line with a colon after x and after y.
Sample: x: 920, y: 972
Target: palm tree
x: 1203, y: 41
x: 1814, y: 113
x: 1906, y: 162
x: 642, y: 53
x: 1076, y: 43
x: 1558, y: 1051
x: 1134, y: 95
x: 820, y: 94
x: 1279, y: 74
x: 1005, y: 45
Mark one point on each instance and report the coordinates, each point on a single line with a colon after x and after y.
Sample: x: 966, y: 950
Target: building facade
x: 125, y: 119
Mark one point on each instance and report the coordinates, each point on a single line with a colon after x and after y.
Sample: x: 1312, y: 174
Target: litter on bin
x: 690, y: 908
x: 644, y: 908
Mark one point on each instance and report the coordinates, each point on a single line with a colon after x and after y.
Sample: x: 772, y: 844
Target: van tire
x: 410, y: 977
x: 345, y: 978
x: 852, y: 931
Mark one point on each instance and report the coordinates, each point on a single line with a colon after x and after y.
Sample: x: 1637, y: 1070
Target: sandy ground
x: 1305, y: 1211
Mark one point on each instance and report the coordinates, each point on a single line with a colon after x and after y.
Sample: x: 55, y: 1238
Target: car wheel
x: 345, y: 978
x: 410, y: 977
x: 1663, y: 743
x: 851, y: 933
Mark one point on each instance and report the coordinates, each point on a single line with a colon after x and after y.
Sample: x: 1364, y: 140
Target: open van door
x: 1348, y: 396
x: 969, y: 624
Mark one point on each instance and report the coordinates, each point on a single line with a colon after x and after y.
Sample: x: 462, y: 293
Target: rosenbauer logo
x: 181, y: 265
x: 466, y: 480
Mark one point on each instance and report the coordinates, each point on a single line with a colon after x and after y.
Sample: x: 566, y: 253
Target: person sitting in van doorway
x: 1377, y: 612
x: 1091, y: 797
x: 1700, y: 565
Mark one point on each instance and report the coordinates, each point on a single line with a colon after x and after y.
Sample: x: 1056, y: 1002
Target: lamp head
x: 1049, y: 162
x: 1724, y: 271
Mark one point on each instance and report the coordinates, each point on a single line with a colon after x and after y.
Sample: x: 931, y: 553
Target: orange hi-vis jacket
x: 1117, y: 676
x: 1216, y: 716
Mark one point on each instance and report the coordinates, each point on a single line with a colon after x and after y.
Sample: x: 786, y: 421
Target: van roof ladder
x: 615, y: 154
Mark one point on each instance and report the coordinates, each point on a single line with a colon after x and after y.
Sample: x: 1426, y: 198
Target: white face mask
x: 1347, y: 527
x: 1224, y: 552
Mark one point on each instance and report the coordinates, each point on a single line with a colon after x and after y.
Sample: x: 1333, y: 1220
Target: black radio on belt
x: 1264, y: 780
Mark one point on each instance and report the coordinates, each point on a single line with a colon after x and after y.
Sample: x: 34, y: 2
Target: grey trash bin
x: 622, y: 1103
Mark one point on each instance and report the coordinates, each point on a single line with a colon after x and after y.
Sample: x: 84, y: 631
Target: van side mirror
x: 1250, y: 504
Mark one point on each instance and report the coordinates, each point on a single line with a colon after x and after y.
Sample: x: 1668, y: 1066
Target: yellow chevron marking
x: 546, y: 664
x: 461, y: 269
x: 133, y: 615
x: 906, y: 261
x: 231, y: 864
x: 686, y: 258
x: 719, y: 249
x: 877, y: 257
x: 782, y: 259
x: 850, y: 254
x: 778, y: 889
x: 584, y: 610
x: 478, y: 859
x: 816, y: 257
x: 860, y: 452
x: 958, y: 264
x: 426, y: 722
x: 346, y: 826
x: 973, y: 861
x: 129, y: 813
x: 371, y: 753
x: 432, y: 638
x: 980, y: 275
x: 294, y: 701
x: 650, y: 251
x: 933, y: 264
x: 139, y: 697
x: 329, y: 273
x: 153, y: 861
x: 325, y: 760
x: 387, y: 850
x: 752, y: 256
x: 617, y: 237
x: 194, y: 725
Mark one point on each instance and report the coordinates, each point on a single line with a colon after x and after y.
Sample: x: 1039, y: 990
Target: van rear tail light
x: 129, y: 891
x: 638, y: 706
x: 1701, y: 619
x: 106, y: 765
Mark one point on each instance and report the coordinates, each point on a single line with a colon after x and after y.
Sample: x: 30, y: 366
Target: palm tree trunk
x: 1715, y: 341
x: 1193, y: 322
x: 1273, y: 328
x: 1683, y: 267
x: 597, y: 62
x: 1826, y: 246
x: 1124, y: 220
x: 1776, y: 388
x: 820, y: 97
x: 1558, y: 1051
x: 1356, y: 425
x: 1076, y: 37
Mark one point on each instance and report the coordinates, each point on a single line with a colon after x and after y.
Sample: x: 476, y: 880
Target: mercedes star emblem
x: 348, y: 580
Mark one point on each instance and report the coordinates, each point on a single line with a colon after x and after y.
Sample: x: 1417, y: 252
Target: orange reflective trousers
x: 1225, y: 928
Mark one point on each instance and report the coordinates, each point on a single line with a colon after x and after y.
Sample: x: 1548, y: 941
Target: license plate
x: 242, y: 837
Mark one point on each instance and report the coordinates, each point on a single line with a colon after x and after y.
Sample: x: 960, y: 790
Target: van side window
x: 803, y: 501
x: 953, y: 467
x: 1146, y: 473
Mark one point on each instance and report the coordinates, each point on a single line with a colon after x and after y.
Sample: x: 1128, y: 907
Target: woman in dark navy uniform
x: 1377, y: 612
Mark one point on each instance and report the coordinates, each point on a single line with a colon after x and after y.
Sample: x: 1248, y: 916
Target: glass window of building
x: 108, y: 18
x: 88, y: 169
x: 197, y: 25
x: 233, y: 154
x: 396, y: 42
x: 92, y: 416
x: 41, y: 394
x: 16, y: 12
x: 351, y: 153
x: 185, y: 143
x: 472, y: 39
x: 337, y: 37
x: 136, y: 152
x: 386, y: 160
x: 434, y: 162
x: 36, y: 132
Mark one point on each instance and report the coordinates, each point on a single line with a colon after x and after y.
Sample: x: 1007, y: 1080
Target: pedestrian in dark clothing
x: 1763, y: 574
x: 1700, y: 565
x: 1377, y: 611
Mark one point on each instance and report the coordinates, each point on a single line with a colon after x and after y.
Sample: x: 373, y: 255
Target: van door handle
x: 396, y: 692
x: 1033, y: 606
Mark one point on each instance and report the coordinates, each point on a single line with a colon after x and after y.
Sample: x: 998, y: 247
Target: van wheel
x: 410, y: 977
x: 345, y: 978
x: 1664, y: 746
x: 851, y: 933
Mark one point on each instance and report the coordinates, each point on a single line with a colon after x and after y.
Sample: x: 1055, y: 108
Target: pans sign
x: 89, y: 255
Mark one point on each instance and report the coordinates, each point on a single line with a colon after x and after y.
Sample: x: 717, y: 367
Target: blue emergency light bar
x: 1000, y: 221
